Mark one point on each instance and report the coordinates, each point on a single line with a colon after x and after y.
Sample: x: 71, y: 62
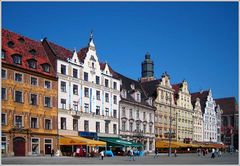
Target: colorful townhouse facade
x: 29, y: 98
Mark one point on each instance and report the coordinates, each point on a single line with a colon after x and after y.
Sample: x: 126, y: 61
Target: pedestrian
x: 102, y: 154
x: 52, y: 152
x: 198, y: 151
x: 213, y: 153
x: 219, y: 153
x: 203, y: 151
x: 131, y: 155
x: 156, y: 153
x: 175, y: 152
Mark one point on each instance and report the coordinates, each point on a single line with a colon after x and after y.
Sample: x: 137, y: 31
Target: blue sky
x: 196, y: 41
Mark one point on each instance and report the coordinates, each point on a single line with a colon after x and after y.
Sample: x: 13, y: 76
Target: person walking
x: 156, y: 153
x: 213, y: 153
x: 52, y: 152
x: 175, y: 152
x: 131, y: 155
x: 219, y: 153
x: 102, y: 154
x: 204, y: 151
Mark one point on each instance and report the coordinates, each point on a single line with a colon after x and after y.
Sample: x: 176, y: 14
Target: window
x: 115, y: 113
x: 63, y: 123
x: 106, y: 97
x: 4, y: 119
x: 47, y: 124
x: 75, y: 89
x: 106, y: 127
x: 138, y: 114
x: 46, y: 68
x: 47, y: 84
x: 114, y: 99
x: 92, y: 65
x: 137, y: 127
x: 86, y: 92
x: 35, y: 146
x: 4, y: 145
x: 21, y: 40
x: 85, y: 76
x: 18, y: 121
x: 130, y: 113
x: 123, y: 125
x: 10, y: 44
x: 107, y: 111
x: 33, y: 80
x: 63, y: 69
x: 75, y: 105
x: 114, y: 129
x: 32, y: 64
x: 123, y: 111
x: 130, y: 126
x: 3, y: 54
x: 4, y: 74
x: 4, y: 93
x: 63, y: 86
x: 106, y: 82
x: 32, y: 51
x: 98, y: 95
x: 150, y: 117
x: 114, y: 85
x: 17, y: 59
x: 63, y: 104
x: 97, y: 127
x: 18, y: 96
x: 75, y: 124
x: 34, y: 123
x: 18, y: 77
x: 33, y: 99
x: 97, y: 110
x: 138, y: 97
x: 144, y: 128
x: 97, y: 80
x: 86, y: 107
x: 86, y: 125
x: 47, y: 101
x: 75, y: 73
x: 144, y: 115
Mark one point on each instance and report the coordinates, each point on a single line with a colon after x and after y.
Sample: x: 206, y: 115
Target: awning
x: 174, y: 144
x: 119, y: 142
x: 76, y: 140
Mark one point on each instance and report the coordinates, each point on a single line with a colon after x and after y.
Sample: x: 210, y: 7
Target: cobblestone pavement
x: 181, y: 159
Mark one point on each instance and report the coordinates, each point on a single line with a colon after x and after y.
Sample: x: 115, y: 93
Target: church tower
x: 147, y: 69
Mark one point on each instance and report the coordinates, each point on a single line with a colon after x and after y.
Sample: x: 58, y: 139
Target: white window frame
x: 15, y: 120
x: 77, y: 73
x: 31, y: 81
x: 86, y: 105
x: 15, y: 77
x: 5, y: 73
x: 50, y: 101
x: 65, y: 89
x: 45, y: 123
x: 31, y: 122
x: 38, y: 144
x: 77, y: 89
x: 5, y: 119
x: 61, y: 104
x: 30, y: 99
x: 65, y: 123
x: 50, y: 84
x: 15, y: 96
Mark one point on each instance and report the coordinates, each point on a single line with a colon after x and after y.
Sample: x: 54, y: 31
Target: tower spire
x: 91, y: 43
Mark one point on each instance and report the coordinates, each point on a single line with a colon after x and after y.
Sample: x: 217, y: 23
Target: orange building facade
x: 29, y: 98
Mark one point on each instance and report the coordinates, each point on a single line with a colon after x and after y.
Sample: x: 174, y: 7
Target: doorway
x: 19, y: 146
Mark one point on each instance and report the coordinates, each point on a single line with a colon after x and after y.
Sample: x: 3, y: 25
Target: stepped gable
x: 228, y: 105
x: 28, y: 49
x: 202, y: 96
x: 176, y: 88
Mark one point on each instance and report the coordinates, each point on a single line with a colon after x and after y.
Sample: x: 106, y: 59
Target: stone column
x: 147, y: 146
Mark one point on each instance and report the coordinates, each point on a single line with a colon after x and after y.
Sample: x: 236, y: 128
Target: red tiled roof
x: 61, y: 52
x: 228, y: 105
x: 82, y: 54
x: 150, y: 87
x: 23, y: 49
x: 176, y: 87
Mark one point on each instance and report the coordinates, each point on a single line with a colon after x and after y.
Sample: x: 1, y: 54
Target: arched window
x: 17, y: 59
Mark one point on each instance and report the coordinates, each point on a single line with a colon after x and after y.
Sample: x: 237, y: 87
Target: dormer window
x: 10, y: 44
x: 33, y: 51
x: 21, y: 40
x: 46, y: 68
x: 138, y: 96
x: 3, y: 54
x: 124, y: 93
x: 32, y: 63
x: 132, y: 86
x: 17, y: 59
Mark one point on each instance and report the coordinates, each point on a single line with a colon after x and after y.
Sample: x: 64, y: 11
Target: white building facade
x: 197, y: 121
x: 136, y: 115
